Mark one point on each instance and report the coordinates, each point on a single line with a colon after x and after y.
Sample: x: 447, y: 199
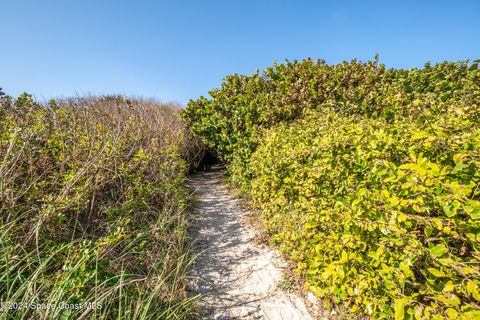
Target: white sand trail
x: 236, y: 278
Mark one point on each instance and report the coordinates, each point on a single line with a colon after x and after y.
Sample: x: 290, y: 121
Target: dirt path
x: 237, y: 278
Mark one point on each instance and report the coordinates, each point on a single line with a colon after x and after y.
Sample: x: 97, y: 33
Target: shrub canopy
x: 368, y: 177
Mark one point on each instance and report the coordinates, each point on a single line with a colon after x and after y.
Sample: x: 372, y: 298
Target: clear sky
x: 178, y: 50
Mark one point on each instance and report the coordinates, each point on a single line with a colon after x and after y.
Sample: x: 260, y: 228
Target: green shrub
x: 368, y: 178
x: 384, y: 218
x: 245, y: 105
x: 92, y: 208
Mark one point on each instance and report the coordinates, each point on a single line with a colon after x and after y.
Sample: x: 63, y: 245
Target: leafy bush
x: 382, y: 217
x: 92, y: 204
x: 244, y: 105
x: 368, y: 178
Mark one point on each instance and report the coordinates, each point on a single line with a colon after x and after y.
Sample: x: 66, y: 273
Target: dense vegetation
x: 369, y: 178
x: 93, y: 209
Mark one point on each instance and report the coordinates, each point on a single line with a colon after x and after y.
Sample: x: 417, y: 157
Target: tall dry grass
x: 93, y: 209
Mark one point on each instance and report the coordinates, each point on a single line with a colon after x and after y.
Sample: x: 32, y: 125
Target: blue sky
x: 178, y: 50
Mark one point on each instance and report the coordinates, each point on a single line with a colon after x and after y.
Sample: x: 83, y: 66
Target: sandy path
x: 237, y: 278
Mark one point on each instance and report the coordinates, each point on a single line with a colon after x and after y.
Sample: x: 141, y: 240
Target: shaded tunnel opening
x: 207, y: 160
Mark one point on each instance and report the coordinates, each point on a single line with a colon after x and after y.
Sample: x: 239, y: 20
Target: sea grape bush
x: 368, y: 178
x: 92, y: 204
x: 381, y: 217
x: 244, y: 105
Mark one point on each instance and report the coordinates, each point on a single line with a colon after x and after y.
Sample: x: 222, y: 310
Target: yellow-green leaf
x: 438, y: 250
x: 437, y: 273
x: 399, y: 309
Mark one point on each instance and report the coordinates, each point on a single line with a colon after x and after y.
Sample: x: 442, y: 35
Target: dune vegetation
x: 367, y: 178
x: 93, y: 209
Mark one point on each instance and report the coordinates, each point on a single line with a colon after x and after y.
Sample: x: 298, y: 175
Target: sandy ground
x: 236, y: 278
